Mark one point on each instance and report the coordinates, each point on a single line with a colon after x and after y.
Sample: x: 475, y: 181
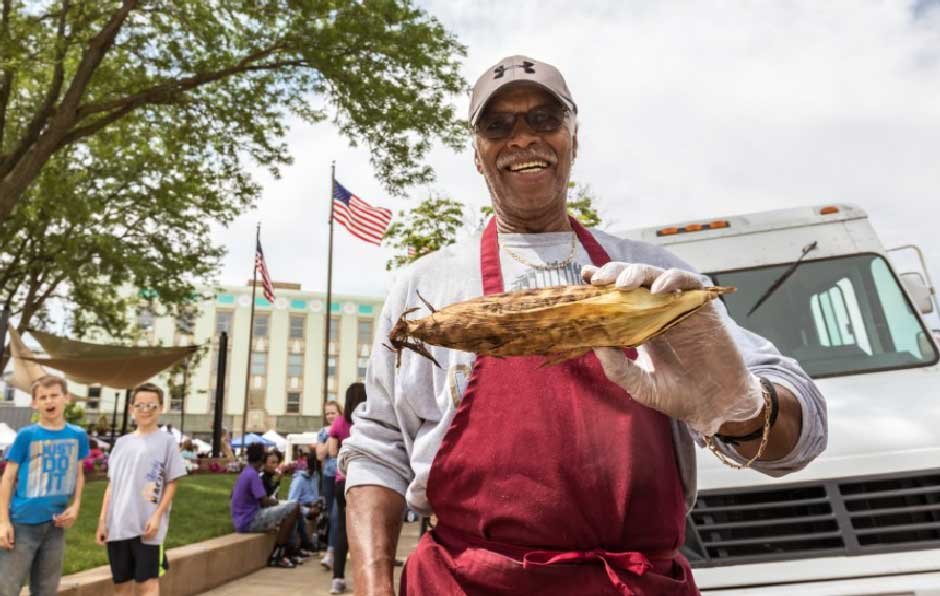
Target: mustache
x: 527, y: 154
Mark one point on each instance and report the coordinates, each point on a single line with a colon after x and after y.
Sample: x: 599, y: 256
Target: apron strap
x: 633, y: 562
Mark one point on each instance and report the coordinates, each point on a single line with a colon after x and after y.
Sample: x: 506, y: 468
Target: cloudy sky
x: 687, y: 110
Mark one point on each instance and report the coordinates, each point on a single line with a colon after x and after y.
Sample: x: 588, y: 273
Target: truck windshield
x: 836, y: 316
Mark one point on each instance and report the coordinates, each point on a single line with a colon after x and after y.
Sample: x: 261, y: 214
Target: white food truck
x: 864, y: 518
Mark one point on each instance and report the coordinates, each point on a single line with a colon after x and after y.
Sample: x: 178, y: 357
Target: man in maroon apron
x: 560, y: 479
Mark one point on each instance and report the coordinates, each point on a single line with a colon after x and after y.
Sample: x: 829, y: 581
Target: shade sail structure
x: 111, y: 366
x: 25, y: 371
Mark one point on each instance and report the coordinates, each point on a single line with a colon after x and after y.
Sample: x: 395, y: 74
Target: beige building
x: 285, y: 385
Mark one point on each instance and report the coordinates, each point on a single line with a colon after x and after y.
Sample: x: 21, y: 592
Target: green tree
x: 126, y: 128
x: 74, y: 414
x: 436, y: 223
x: 103, y: 425
x: 580, y: 204
x: 224, y: 74
x: 430, y: 225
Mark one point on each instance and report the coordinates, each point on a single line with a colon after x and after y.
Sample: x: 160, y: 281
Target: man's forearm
x: 374, y: 518
x: 784, y: 434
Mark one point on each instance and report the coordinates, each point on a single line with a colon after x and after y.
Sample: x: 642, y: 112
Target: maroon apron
x: 551, y: 481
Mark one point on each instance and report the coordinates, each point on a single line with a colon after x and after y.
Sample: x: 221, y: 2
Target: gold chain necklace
x: 547, y: 266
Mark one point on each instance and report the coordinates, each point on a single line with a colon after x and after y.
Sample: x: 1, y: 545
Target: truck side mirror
x: 918, y: 291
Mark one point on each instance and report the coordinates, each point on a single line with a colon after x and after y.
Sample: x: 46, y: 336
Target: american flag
x: 262, y: 269
x: 361, y: 219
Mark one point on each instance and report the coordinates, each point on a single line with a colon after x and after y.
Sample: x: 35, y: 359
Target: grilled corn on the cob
x: 560, y: 322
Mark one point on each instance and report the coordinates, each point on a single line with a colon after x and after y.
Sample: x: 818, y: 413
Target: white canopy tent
x: 201, y: 446
x: 7, y: 435
x: 177, y: 435
x: 293, y: 440
x: 279, y: 441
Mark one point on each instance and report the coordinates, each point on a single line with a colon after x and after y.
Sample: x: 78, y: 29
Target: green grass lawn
x: 200, y: 511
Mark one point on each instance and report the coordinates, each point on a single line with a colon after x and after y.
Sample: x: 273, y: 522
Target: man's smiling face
x: 527, y: 172
x: 50, y: 403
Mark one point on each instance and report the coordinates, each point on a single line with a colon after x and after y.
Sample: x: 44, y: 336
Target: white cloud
x: 687, y: 109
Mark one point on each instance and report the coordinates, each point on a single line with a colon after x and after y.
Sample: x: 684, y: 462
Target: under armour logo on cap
x: 526, y: 66
x: 518, y: 69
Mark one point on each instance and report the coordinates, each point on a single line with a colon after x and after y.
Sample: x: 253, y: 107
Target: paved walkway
x: 310, y: 579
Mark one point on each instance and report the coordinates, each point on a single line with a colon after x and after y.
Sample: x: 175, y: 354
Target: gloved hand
x: 693, y: 371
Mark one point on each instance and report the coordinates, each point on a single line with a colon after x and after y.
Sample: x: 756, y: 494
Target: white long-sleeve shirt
x: 409, y: 409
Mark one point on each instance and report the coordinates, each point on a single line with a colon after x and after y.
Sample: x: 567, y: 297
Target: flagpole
x: 329, y: 295
x: 251, y: 332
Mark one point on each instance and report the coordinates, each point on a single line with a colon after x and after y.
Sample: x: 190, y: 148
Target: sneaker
x: 339, y: 586
x: 282, y: 562
x: 327, y: 560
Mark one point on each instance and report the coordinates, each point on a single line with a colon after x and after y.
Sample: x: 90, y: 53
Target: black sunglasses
x: 541, y: 119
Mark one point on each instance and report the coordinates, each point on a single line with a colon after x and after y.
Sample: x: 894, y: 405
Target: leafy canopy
x: 127, y: 128
x: 436, y: 222
x: 383, y: 69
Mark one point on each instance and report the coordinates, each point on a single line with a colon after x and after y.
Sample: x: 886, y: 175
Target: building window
x: 293, y: 402
x: 261, y: 325
x: 186, y: 321
x: 334, y: 335
x: 176, y: 398
x: 331, y: 373
x: 362, y: 366
x: 144, y: 318
x: 331, y: 366
x: 9, y: 393
x: 295, y: 365
x: 223, y: 322
x: 297, y: 326
x: 94, y: 398
x: 365, y: 331
x: 259, y: 364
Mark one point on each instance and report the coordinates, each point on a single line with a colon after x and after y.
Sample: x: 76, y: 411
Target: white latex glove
x: 693, y: 371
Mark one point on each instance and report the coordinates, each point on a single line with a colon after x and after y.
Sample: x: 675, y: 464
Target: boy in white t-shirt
x: 135, y: 512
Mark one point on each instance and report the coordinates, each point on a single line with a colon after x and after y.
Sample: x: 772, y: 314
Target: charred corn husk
x: 561, y: 322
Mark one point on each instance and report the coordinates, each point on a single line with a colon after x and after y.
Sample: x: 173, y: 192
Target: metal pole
x: 127, y: 403
x: 183, y: 404
x: 117, y: 398
x: 251, y: 332
x: 4, y: 321
x: 329, y: 296
x: 219, y: 394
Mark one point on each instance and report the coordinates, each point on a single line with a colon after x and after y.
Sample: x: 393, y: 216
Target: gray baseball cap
x: 518, y: 69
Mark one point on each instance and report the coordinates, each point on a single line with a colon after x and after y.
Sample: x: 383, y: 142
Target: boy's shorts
x: 131, y: 559
x: 268, y: 518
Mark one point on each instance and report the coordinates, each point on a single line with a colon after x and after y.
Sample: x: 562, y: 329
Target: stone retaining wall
x: 194, y: 568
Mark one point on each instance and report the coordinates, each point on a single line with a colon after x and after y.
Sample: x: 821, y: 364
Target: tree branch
x: 167, y: 89
x: 6, y: 82
x: 47, y: 108
x: 17, y: 178
x: 165, y: 93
